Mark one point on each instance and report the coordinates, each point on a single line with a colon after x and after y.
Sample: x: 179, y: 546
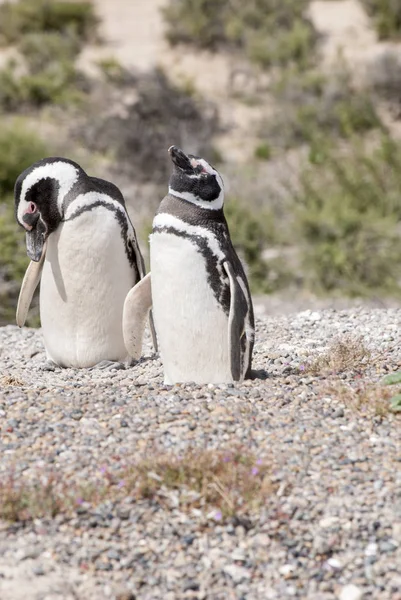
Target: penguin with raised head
x: 85, y: 253
x: 200, y: 295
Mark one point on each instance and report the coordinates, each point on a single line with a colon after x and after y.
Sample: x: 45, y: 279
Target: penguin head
x: 39, y: 193
x: 195, y: 180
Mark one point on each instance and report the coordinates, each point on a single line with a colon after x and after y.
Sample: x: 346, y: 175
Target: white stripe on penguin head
x: 65, y: 173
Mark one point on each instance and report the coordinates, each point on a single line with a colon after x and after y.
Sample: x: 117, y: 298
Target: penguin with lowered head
x: 84, y: 251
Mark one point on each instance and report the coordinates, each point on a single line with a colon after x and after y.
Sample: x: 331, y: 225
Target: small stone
x: 77, y: 415
x: 291, y: 590
x: 238, y: 555
x: 102, y: 565
x: 188, y: 539
x: 328, y: 522
x: 321, y: 545
x: 350, y: 592
x: 397, y: 532
x: 335, y: 564
x: 287, y: 571
x: 191, y: 585
x: 371, y: 549
x: 123, y: 512
x: 388, y: 546
x: 238, y: 574
x: 125, y: 595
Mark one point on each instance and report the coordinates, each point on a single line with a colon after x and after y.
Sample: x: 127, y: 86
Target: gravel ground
x: 330, y: 527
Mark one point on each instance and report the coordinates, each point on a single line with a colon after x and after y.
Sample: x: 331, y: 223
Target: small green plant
x: 348, y: 215
x: 386, y: 17
x: 268, y: 32
x: 395, y: 401
x: 392, y: 379
x: 47, y: 16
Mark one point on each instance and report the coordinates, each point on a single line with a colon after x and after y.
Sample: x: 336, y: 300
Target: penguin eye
x: 32, y: 208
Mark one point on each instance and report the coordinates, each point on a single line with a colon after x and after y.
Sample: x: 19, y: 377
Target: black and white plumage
x: 200, y: 295
x: 85, y: 253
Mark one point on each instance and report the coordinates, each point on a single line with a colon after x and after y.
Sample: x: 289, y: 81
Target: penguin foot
x: 257, y: 374
x: 49, y: 365
x: 108, y: 365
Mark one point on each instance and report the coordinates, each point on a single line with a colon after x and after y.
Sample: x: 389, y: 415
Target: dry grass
x: 346, y: 354
x: 226, y: 483
x: 371, y: 400
x: 10, y: 381
x: 19, y: 502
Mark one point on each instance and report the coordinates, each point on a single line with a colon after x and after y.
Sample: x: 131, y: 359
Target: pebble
x: 237, y: 574
x: 371, y: 549
x: 350, y: 592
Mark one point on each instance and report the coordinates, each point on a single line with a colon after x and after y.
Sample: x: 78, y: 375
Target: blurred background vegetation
x: 314, y: 175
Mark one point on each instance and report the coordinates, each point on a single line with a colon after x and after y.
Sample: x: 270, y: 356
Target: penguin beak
x: 180, y: 159
x: 35, y: 240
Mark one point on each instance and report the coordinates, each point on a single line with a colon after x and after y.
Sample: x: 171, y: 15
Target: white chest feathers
x: 86, y: 277
x: 191, y: 326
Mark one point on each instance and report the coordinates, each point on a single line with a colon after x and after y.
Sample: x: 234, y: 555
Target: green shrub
x: 263, y: 151
x: 252, y: 230
x: 309, y: 104
x: 13, y: 261
x: 19, y: 148
x: 43, y: 16
x: 349, y: 216
x: 49, y: 36
x: 48, y: 74
x: 268, y: 32
x: 113, y: 71
x: 161, y: 114
x: 386, y: 16
x: 384, y: 75
x: 40, y: 50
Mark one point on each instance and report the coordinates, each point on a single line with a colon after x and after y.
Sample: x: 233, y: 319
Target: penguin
x: 84, y: 251
x: 200, y: 295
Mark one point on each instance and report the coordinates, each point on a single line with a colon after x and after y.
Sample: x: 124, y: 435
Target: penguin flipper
x: 236, y: 325
x: 153, y: 331
x: 136, y: 309
x: 28, y: 287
